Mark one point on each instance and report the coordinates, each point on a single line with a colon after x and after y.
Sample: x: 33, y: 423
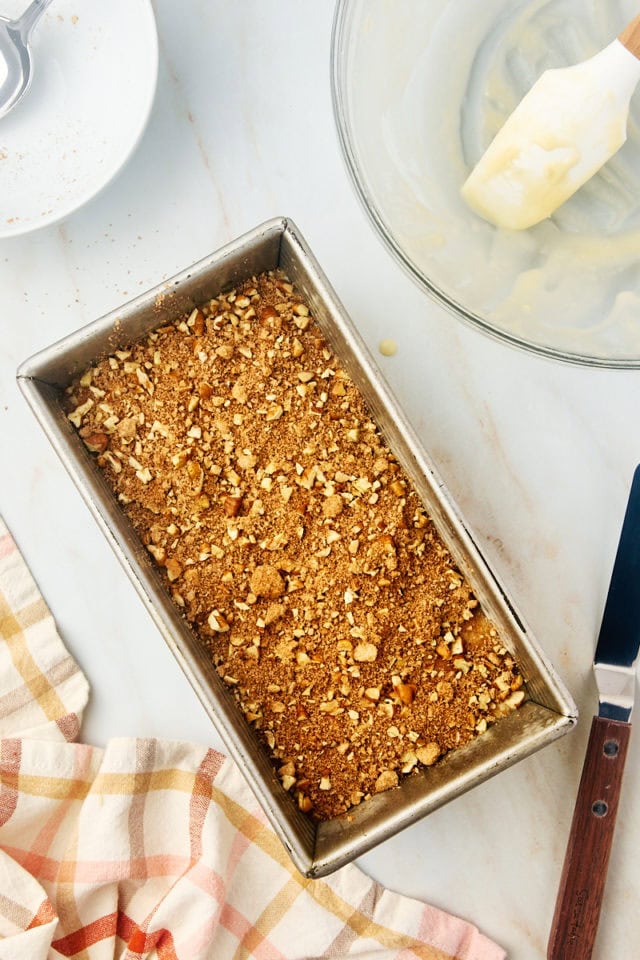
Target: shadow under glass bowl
x: 419, y: 90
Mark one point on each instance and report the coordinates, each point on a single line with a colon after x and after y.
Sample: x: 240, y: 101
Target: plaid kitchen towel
x: 154, y: 848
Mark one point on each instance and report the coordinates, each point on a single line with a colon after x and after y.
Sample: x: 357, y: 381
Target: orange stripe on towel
x: 45, y: 914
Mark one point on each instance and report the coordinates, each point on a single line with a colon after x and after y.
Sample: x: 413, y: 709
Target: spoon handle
x: 30, y: 17
x: 630, y: 37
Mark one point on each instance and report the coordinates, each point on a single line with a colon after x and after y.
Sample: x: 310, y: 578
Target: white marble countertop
x: 537, y: 455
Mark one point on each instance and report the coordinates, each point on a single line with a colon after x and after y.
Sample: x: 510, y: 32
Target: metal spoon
x: 14, y: 51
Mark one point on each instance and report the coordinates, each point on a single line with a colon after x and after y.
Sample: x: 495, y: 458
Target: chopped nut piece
x: 196, y: 475
x: 174, y: 569
x: 127, y: 428
x: 246, y: 461
x: 115, y: 464
x: 408, y: 760
x: 457, y: 647
x: 239, y: 392
x: 217, y: 622
x: 96, y: 442
x: 232, y: 506
x: 429, y: 754
x: 365, y: 653
x: 144, y: 381
x: 274, y: 412
x: 274, y: 612
x: 406, y: 692
x: 515, y: 699
x: 159, y: 554
x: 76, y: 416
x: 386, y: 780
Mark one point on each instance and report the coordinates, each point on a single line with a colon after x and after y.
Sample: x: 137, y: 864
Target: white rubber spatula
x: 570, y: 123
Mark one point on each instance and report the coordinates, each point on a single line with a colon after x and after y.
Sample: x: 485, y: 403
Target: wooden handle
x: 577, y: 912
x: 630, y: 37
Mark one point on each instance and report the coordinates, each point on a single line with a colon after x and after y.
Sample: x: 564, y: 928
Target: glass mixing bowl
x: 419, y: 90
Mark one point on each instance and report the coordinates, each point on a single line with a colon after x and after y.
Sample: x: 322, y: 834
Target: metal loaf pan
x: 548, y: 711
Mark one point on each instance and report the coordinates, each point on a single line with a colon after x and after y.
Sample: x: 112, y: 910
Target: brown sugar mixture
x: 295, y: 546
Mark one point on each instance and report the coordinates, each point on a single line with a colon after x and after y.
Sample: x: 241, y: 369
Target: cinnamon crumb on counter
x: 295, y: 545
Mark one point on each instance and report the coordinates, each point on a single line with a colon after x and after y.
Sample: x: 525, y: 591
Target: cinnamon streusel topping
x: 295, y: 545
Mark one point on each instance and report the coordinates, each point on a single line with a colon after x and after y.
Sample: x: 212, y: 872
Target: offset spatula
x: 575, y: 921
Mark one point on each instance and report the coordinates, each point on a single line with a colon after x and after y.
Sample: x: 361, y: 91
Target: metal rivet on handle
x: 611, y: 748
x: 599, y: 808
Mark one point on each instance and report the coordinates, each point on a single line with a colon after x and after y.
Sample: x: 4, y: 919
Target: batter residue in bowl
x: 444, y: 76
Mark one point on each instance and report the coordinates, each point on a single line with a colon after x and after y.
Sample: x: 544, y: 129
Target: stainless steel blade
x: 619, y: 640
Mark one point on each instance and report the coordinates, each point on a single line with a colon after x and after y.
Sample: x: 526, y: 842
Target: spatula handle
x: 577, y: 912
x: 630, y: 37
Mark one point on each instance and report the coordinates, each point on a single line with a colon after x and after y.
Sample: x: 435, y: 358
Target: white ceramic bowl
x: 420, y: 89
x: 94, y: 81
